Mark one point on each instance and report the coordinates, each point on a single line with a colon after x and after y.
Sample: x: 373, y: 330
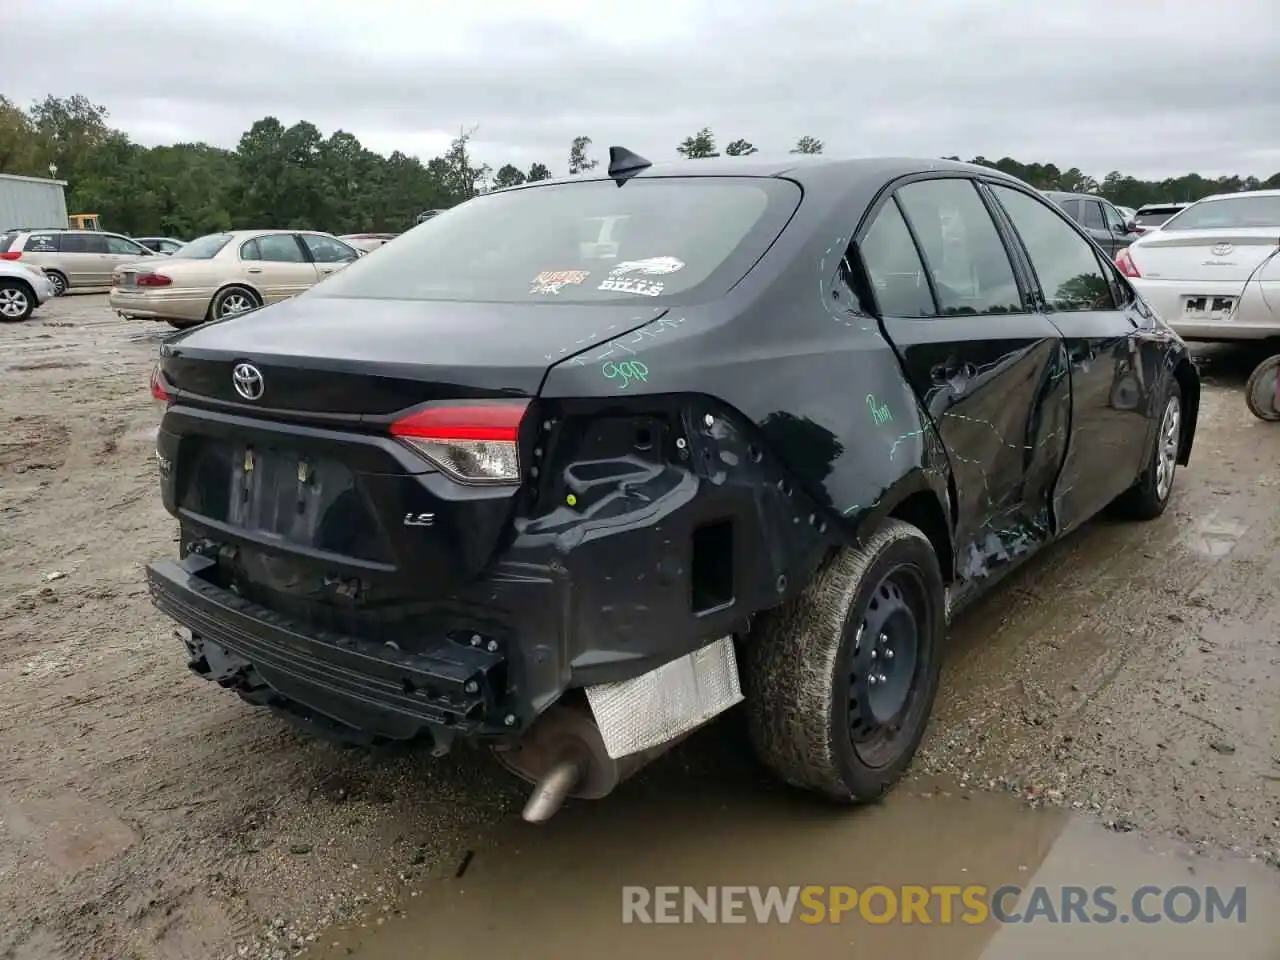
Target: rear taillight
x: 153, y: 280
x: 1125, y: 262
x: 158, y: 392
x: 477, y: 442
x: 11, y: 255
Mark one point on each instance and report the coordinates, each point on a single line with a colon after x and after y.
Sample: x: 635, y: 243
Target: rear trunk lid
x: 356, y: 359
x: 329, y: 517
x: 1208, y: 256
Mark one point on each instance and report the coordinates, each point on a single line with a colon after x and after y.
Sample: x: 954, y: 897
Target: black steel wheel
x: 841, y: 681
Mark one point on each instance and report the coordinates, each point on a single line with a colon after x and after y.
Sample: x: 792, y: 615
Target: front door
x: 85, y: 259
x: 1109, y: 423
x: 1118, y: 232
x: 1095, y: 225
x: 328, y: 253
x: 277, y: 266
x: 987, y: 366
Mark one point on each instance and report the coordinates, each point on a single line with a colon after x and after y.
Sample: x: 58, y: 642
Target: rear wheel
x: 1262, y: 392
x: 183, y: 324
x: 841, y: 680
x: 1148, y: 497
x: 59, y: 282
x: 233, y: 300
x: 17, y: 301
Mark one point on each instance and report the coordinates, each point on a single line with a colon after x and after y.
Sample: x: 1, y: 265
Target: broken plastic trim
x: 623, y: 164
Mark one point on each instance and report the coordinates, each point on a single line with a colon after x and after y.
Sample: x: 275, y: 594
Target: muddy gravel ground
x: 1130, y: 673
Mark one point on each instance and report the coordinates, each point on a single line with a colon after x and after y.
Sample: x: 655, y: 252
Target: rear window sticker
x: 552, y: 281
x: 649, y: 267
x: 645, y: 288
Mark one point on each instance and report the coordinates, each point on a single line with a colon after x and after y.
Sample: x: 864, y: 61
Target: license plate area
x: 129, y: 280
x: 1208, y: 307
x: 278, y: 495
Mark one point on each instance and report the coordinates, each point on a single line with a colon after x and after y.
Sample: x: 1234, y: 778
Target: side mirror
x: 1131, y: 226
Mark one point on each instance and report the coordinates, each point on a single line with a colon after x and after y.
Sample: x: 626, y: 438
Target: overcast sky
x: 1146, y: 87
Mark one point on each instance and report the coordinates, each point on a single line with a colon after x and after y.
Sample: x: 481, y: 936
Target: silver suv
x: 72, y: 258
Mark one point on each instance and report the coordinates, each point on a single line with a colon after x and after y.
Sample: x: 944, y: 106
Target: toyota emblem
x: 1221, y: 249
x: 247, y: 380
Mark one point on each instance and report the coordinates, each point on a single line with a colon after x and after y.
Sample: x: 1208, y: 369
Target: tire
x: 1149, y: 495
x: 183, y: 324
x: 1260, y: 390
x: 223, y: 302
x: 59, y: 281
x: 17, y: 301
x: 810, y: 696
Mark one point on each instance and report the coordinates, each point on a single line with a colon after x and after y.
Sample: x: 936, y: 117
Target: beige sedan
x: 223, y: 274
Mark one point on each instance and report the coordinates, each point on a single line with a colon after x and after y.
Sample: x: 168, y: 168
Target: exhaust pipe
x: 550, y: 793
x: 563, y: 755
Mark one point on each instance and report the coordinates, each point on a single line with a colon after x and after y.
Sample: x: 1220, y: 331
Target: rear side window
x: 328, y: 250
x: 1070, y: 275
x: 43, y: 243
x: 583, y: 242
x: 273, y: 248
x: 120, y: 245
x: 894, y: 266
x: 84, y: 243
x: 1071, y: 207
x: 962, y: 249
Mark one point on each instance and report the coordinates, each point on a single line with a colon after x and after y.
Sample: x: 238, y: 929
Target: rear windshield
x: 1233, y: 212
x: 1153, y: 218
x: 582, y: 242
x: 203, y: 248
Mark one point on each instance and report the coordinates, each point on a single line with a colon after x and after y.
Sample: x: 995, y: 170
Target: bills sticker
x: 552, y: 281
x: 649, y: 267
x: 645, y: 288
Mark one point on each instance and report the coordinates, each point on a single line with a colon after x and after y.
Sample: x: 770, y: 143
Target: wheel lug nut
x: 888, y: 654
x: 884, y: 638
x: 873, y: 654
x: 881, y: 678
x: 872, y: 679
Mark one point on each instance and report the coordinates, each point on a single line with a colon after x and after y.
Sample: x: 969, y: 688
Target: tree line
x: 297, y: 177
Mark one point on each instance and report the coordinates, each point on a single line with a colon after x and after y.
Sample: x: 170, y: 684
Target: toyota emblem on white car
x: 247, y: 380
x: 1221, y: 249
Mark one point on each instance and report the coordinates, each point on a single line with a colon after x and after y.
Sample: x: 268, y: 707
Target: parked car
x: 1101, y: 219
x: 161, y: 245
x: 499, y: 484
x: 1212, y: 270
x: 22, y: 289
x: 367, y: 241
x: 222, y: 274
x: 73, y: 259
x: 1151, y: 216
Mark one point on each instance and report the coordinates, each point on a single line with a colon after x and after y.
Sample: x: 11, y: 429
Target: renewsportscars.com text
x: 938, y: 904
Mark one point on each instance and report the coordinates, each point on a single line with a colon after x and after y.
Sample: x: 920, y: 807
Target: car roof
x: 1262, y: 194
x: 1065, y: 194
x: 808, y: 170
x: 1164, y: 206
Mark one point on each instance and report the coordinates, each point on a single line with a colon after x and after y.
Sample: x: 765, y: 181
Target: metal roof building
x: 32, y: 202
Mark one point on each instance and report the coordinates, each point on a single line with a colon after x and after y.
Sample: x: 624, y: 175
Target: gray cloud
x: 1144, y: 88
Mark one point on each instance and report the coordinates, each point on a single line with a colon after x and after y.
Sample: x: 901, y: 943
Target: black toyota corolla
x: 573, y: 467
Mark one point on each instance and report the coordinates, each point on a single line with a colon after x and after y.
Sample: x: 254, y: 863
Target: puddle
x: 1213, y: 537
x: 545, y: 892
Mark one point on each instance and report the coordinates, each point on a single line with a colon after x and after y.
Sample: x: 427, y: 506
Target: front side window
x: 327, y: 250
x: 120, y: 245
x: 1066, y: 264
x: 653, y: 239
x: 273, y: 248
x: 1115, y: 220
x: 894, y: 267
x: 962, y: 248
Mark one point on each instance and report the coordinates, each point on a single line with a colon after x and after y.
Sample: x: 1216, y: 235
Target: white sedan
x: 1212, y: 272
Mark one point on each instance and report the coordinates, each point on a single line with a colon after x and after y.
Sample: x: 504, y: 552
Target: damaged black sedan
x: 571, y: 468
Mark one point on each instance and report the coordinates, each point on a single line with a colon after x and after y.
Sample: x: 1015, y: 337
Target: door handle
x: 254, y: 270
x: 948, y: 372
